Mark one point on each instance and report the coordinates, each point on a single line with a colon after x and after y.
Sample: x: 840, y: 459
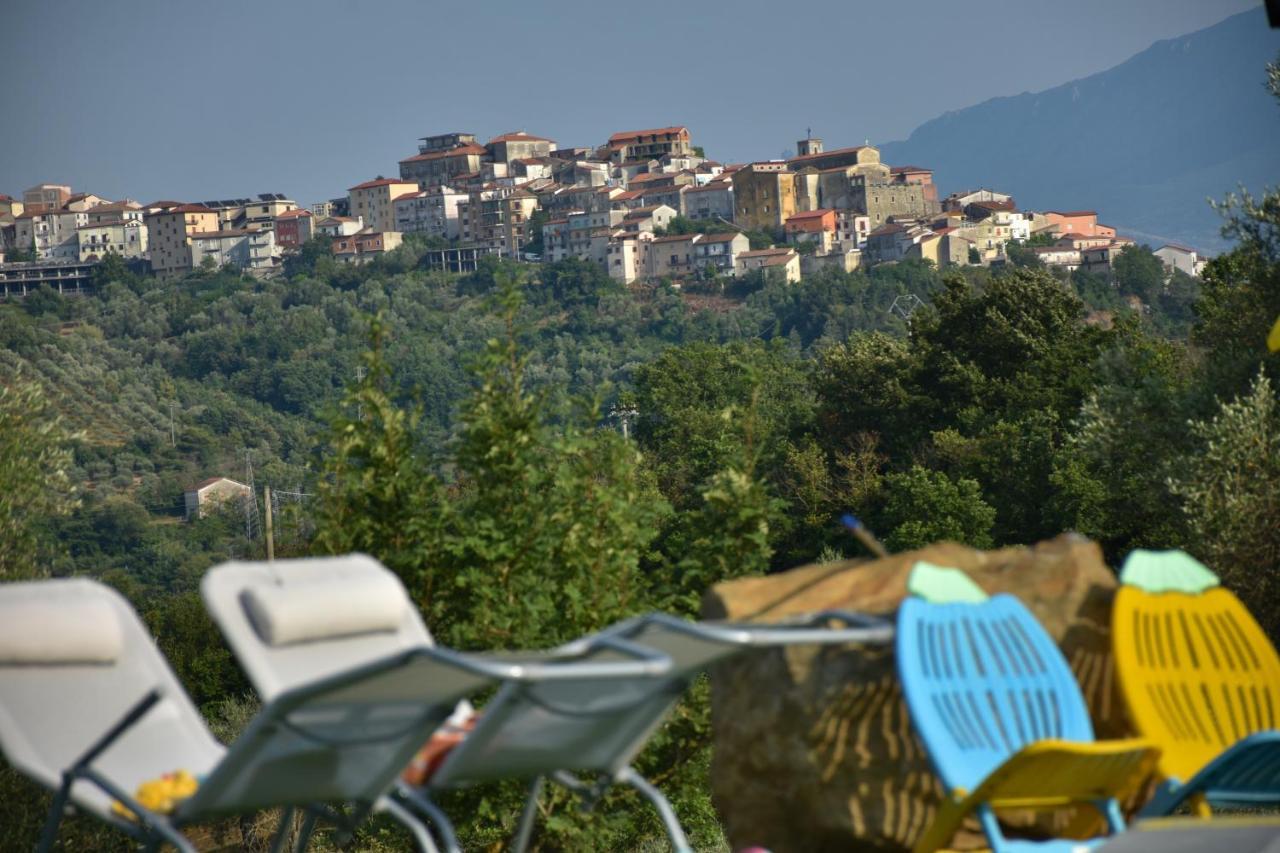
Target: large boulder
x: 814, y: 749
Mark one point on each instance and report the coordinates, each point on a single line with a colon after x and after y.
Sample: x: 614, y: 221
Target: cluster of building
x: 611, y: 204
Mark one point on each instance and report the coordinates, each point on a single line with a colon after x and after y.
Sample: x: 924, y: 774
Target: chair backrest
x: 627, y: 722
x: 231, y: 590
x: 74, y: 658
x: 593, y: 723
x: 1197, y: 672
x: 982, y: 679
x: 344, y: 738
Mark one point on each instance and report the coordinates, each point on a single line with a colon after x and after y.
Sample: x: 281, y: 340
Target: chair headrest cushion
x: 59, y: 631
x: 324, y: 608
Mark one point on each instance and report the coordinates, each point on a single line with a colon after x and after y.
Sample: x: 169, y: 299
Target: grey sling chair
x: 90, y: 709
x: 692, y: 648
x: 528, y: 730
x: 291, y: 622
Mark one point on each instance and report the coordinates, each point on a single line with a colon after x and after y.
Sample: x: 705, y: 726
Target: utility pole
x: 271, y: 545
x: 250, y: 504
x: 173, y: 442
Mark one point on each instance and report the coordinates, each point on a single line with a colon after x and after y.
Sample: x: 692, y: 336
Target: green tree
x: 1230, y: 487
x: 35, y: 483
x: 1139, y: 273
x: 378, y: 494
x: 923, y: 506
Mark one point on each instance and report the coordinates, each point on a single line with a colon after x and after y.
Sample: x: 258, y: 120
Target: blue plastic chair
x: 1000, y: 714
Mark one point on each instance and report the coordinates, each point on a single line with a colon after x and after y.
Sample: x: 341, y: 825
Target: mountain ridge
x: 1146, y: 143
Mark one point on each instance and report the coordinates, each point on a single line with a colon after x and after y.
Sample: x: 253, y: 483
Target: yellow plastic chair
x: 1201, y: 680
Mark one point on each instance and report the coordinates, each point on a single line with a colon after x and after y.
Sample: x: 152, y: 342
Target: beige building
x: 115, y: 211
x: 253, y: 249
x: 204, y: 497
x: 10, y: 206
x: 431, y: 211
x: 519, y: 145
x: 764, y: 195
x: 169, y: 232
x: 124, y: 237
x: 340, y: 226
x: 712, y: 201
x: 648, y: 144
x: 497, y: 220
x: 365, y: 246
x: 784, y: 259
x: 945, y: 247
x: 43, y: 197
x: 50, y: 233
x: 649, y: 218
x: 672, y: 256
x: 627, y: 255
x: 717, y: 254
x: 432, y: 168
x: 374, y: 201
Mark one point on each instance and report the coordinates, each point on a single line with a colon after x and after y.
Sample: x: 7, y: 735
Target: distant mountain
x: 1144, y: 143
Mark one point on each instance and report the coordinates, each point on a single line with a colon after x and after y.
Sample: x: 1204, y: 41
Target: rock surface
x: 814, y: 748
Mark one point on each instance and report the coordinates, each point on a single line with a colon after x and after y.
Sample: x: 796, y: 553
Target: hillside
x: 1145, y: 143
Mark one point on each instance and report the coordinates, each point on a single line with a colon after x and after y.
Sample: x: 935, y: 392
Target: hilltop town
x: 646, y: 205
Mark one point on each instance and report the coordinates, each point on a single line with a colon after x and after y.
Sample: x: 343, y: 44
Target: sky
x: 155, y: 99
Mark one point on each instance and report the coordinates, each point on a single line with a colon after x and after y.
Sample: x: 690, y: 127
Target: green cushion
x: 1167, y: 571
x: 938, y: 585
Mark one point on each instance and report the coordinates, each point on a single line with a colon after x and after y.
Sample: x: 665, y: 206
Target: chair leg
x: 416, y: 828
x: 628, y: 776
x: 56, y: 811
x: 1111, y: 811
x: 282, y: 830
x: 991, y: 827
x: 304, y: 834
x: 524, y: 833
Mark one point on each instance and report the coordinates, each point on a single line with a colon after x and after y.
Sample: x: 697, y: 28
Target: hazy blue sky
x: 161, y: 99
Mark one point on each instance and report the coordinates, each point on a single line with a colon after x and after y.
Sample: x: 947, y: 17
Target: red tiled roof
x: 646, y: 177
x: 726, y: 237
x: 628, y: 195
x: 519, y: 136
x: 1073, y: 212
x: 633, y: 134
x: 672, y: 238
x: 441, y: 155
x: 115, y: 205
x: 403, y: 196
x: 804, y: 158
x: 293, y: 214
x: 380, y: 182
x: 994, y: 205
x: 764, y: 253
x: 165, y: 203
x: 189, y: 208
x: 228, y: 232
